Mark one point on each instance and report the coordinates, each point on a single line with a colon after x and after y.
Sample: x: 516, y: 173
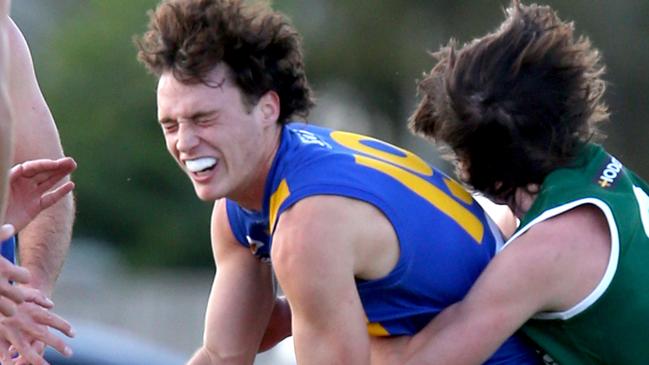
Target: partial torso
x: 444, y: 238
x: 606, y: 326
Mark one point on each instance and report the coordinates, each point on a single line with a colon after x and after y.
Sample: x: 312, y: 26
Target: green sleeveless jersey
x: 609, y: 325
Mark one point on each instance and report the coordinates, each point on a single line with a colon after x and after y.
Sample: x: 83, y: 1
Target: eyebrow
x: 193, y: 117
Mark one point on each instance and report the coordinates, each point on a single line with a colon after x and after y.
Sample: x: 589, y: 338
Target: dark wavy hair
x: 516, y: 104
x: 261, y: 48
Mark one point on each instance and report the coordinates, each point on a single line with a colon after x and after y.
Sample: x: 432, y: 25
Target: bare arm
x: 314, y: 259
x: 45, y: 241
x: 240, y: 302
x: 6, y: 118
x: 279, y: 325
x: 549, y: 268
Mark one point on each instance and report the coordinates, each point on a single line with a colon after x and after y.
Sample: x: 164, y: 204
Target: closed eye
x: 169, y: 126
x: 205, y: 122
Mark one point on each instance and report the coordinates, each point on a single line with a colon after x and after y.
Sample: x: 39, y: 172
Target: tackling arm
x: 551, y: 267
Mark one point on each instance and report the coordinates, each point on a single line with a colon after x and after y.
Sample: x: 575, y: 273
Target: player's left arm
x: 313, y: 257
x: 45, y: 241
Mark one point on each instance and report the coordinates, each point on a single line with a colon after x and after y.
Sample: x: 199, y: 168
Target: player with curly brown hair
x: 337, y: 213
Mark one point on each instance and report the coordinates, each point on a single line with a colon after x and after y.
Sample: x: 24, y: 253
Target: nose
x: 187, y: 138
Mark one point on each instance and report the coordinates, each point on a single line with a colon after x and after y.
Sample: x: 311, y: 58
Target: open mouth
x: 201, y: 164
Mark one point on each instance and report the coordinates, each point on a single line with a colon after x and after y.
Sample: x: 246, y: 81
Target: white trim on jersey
x: 611, y: 268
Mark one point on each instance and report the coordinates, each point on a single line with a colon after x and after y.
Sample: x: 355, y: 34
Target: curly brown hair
x: 260, y: 46
x: 516, y: 104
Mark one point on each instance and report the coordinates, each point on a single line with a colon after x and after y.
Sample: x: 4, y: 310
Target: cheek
x: 170, y: 142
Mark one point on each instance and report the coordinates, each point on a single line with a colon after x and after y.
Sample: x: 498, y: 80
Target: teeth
x: 200, y: 164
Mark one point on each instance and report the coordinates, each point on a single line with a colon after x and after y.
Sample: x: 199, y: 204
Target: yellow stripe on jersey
x: 377, y: 330
x: 409, y: 160
x: 276, y: 199
x: 462, y: 216
x: 458, y: 191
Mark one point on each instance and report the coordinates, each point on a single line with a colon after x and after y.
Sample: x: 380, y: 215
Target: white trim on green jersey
x: 612, y: 261
x: 643, y: 204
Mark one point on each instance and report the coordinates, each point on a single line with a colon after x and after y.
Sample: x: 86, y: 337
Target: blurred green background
x: 362, y: 57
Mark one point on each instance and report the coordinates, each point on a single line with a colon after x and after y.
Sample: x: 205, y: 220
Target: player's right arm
x: 240, y: 301
x: 550, y: 268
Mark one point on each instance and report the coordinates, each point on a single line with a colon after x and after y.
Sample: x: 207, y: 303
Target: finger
x: 67, y: 163
x: 38, y: 297
x: 15, y: 172
x: 46, y: 180
x: 31, y: 168
x: 11, y: 292
x: 38, y: 346
x: 7, y: 231
x: 50, y: 339
x: 53, y: 320
x: 13, y: 353
x: 42, y: 170
x: 12, y: 272
x: 5, y: 351
x: 48, y: 199
x: 29, y: 356
x: 7, y: 307
x: 27, y: 352
x: 41, y: 333
x: 63, y: 166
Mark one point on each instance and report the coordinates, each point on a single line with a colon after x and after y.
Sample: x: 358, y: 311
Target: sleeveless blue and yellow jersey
x: 445, y: 239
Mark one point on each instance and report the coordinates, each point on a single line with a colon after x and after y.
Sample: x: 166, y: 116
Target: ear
x: 269, y: 107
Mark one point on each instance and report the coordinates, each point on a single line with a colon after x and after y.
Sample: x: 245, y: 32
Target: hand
x: 11, y: 295
x: 27, y: 331
x: 30, y: 188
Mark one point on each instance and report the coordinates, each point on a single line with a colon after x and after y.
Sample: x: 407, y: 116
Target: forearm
x: 200, y: 357
x: 333, y: 346
x: 447, y: 340
x: 236, y: 317
x: 203, y: 356
x: 44, y: 244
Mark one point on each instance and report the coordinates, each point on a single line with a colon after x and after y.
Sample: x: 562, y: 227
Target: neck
x: 251, y: 196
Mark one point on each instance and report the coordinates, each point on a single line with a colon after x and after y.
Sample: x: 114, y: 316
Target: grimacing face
x: 220, y: 144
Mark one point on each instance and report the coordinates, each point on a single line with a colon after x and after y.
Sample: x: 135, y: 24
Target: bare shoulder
x: 325, y: 215
x: 353, y: 229
x: 223, y: 240
x: 315, y: 219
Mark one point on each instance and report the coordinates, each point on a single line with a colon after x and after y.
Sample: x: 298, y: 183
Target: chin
x: 206, y: 194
